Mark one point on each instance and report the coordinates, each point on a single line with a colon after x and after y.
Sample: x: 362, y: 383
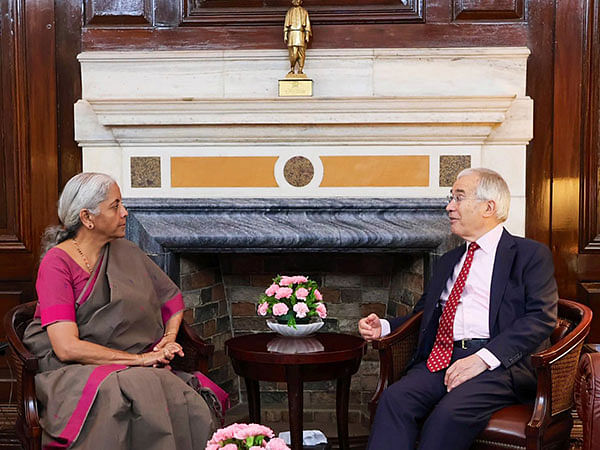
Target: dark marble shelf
x: 165, y: 228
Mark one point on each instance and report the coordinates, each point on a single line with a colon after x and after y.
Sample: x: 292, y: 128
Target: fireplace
x: 368, y: 255
x: 228, y: 185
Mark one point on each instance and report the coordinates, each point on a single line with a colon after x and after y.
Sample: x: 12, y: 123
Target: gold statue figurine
x: 296, y: 34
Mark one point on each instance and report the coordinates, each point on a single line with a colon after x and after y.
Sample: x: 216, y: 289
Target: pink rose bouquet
x: 242, y: 436
x: 292, y: 300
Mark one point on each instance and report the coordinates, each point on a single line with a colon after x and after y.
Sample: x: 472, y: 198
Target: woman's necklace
x: 85, y: 260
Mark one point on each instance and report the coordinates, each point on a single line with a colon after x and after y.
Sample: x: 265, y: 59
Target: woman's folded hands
x: 161, y: 356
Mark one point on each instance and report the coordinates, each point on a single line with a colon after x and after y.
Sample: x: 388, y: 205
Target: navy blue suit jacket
x: 523, y: 305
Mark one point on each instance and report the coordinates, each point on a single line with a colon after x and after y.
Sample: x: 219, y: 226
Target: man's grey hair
x: 84, y: 191
x: 491, y: 186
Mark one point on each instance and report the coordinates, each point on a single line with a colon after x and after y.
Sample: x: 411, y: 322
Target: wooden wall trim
x: 540, y: 82
x: 590, y: 112
x: 568, y: 74
x: 68, y: 20
x: 328, y: 36
x: 361, y: 12
x: 41, y: 110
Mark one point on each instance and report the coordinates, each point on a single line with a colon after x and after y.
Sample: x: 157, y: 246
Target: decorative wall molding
x: 107, y: 12
x: 412, y: 119
x: 484, y: 10
x: 238, y: 13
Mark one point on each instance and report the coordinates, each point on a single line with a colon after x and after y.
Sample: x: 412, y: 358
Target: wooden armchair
x: 544, y: 424
x: 25, y: 365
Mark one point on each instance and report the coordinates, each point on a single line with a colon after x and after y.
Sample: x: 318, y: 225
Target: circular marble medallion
x: 298, y: 171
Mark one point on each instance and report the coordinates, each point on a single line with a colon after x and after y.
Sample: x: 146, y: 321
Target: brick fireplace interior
x: 221, y: 292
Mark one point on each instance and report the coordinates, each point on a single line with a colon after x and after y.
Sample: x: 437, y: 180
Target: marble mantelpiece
x: 167, y: 228
x: 370, y: 106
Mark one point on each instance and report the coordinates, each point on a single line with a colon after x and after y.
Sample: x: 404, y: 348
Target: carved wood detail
x: 14, y: 229
x: 496, y: 10
x: 122, y: 12
x: 272, y: 12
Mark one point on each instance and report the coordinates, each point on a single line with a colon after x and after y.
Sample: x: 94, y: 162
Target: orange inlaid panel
x: 223, y: 171
x: 375, y: 171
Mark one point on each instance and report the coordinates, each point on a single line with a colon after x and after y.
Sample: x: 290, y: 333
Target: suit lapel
x: 505, y: 254
x: 438, y: 282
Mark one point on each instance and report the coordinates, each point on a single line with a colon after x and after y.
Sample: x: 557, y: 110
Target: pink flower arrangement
x: 291, y: 299
x: 300, y: 309
x: 321, y: 310
x: 280, y: 309
x: 242, y: 436
x: 283, y: 292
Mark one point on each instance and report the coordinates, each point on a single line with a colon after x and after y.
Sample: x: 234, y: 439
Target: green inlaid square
x: 145, y: 171
x: 450, y: 166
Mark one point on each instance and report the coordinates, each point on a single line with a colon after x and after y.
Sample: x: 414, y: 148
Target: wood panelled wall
x: 28, y: 157
x: 40, y: 83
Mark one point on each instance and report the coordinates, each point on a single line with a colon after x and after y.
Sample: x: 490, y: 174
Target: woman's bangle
x: 169, y: 332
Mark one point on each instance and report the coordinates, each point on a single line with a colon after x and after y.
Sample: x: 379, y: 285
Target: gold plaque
x: 290, y: 87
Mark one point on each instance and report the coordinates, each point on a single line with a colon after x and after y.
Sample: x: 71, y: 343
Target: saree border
x: 75, y: 424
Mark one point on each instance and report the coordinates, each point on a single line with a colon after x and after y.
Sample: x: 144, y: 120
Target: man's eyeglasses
x: 457, y: 198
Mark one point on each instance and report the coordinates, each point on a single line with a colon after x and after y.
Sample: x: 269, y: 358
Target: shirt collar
x: 489, y: 241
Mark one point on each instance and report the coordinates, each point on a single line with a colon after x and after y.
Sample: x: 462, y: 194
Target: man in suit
x: 489, y: 305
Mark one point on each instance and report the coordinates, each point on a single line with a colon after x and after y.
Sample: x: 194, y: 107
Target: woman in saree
x: 104, y: 332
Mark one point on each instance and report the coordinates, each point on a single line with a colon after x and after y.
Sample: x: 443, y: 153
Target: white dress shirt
x: 472, y: 313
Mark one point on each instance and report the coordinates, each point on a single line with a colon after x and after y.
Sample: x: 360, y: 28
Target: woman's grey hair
x: 491, y: 186
x: 84, y: 191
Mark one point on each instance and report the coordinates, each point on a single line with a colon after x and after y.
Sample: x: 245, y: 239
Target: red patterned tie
x: 441, y: 353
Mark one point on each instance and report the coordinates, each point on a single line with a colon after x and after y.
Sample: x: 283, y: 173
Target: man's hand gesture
x: 370, y: 327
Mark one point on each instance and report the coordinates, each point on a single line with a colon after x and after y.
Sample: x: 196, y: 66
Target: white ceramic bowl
x: 299, y: 331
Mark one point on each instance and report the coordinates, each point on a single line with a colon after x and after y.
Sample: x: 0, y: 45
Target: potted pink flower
x: 292, y: 300
x: 242, y: 436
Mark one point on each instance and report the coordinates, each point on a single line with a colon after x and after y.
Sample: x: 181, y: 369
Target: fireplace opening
x: 221, y: 293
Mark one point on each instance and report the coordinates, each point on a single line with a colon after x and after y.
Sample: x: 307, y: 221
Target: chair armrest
x: 24, y: 366
x: 197, y: 352
x: 404, y: 331
x: 26, y: 358
x: 28, y: 421
x: 395, y: 352
x: 556, y: 369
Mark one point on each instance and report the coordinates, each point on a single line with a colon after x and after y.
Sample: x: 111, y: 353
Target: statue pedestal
x: 296, y: 86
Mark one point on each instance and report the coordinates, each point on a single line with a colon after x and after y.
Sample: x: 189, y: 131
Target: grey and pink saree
x: 124, y: 305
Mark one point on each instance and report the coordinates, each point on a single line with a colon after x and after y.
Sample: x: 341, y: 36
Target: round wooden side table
x: 323, y: 356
